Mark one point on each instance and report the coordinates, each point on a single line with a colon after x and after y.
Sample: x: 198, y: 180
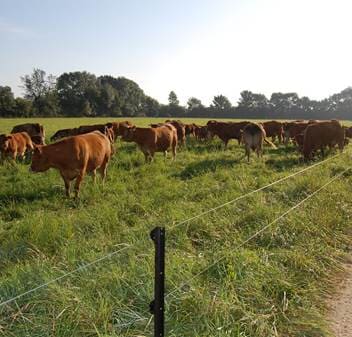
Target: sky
x: 197, y: 48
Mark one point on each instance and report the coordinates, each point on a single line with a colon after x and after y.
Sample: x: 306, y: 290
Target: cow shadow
x: 205, y: 166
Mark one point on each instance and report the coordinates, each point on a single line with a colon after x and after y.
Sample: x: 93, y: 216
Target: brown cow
x: 15, y: 145
x: 226, y: 131
x: 299, y: 140
x: 181, y: 130
x: 190, y: 129
x: 35, y: 131
x: 320, y: 135
x: 151, y: 140
x: 253, y: 135
x: 64, y: 133
x: 274, y: 129
x: 202, y: 133
x: 348, y: 131
x: 119, y: 127
x: 74, y: 157
x: 291, y: 129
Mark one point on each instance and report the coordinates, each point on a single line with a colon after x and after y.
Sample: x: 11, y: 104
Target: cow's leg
x: 103, y: 169
x: 79, y: 181
x: 67, y: 184
x: 248, y: 151
x: 165, y: 154
x: 174, y: 151
x: 322, y: 151
x: 146, y: 157
x: 94, y: 176
x: 226, y: 141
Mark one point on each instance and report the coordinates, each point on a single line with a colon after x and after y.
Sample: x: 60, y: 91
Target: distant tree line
x: 80, y: 93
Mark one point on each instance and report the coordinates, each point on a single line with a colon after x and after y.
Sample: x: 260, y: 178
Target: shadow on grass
x: 28, y: 197
x: 209, y: 165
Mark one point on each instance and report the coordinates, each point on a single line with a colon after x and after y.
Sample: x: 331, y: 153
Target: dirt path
x: 341, y: 306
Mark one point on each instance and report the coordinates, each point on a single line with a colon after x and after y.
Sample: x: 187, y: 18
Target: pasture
x: 274, y: 285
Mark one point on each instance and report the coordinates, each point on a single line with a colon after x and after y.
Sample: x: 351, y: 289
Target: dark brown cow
x: 299, y: 140
x: 181, y: 130
x: 291, y: 129
x: 74, y: 157
x: 34, y: 130
x: 106, y: 129
x: 15, y: 145
x: 64, y: 133
x: 274, y: 129
x: 226, y: 131
x: 190, y: 129
x: 151, y: 140
x: 348, y: 132
x: 253, y: 135
x: 320, y: 135
x: 202, y: 133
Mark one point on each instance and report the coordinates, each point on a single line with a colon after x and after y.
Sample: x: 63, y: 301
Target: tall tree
x: 78, y: 93
x: 173, y: 100
x: 221, y: 102
x: 7, y: 101
x: 194, y: 103
x: 40, y: 89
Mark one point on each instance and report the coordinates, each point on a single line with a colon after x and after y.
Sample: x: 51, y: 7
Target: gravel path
x: 340, y: 314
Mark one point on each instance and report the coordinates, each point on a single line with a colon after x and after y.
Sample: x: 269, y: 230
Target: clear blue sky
x: 196, y: 48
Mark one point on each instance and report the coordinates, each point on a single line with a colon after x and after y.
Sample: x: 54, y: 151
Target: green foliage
x: 173, y: 100
x: 273, y: 286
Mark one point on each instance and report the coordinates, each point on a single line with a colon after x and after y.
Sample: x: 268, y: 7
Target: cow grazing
x: 34, y: 130
x: 74, y: 157
x: 253, y: 135
x: 348, y: 132
x: 323, y: 134
x: 15, y: 145
x: 291, y: 129
x: 274, y: 129
x: 202, y: 133
x: 299, y: 140
x: 226, y: 131
x: 190, y: 129
x: 181, y: 130
x: 151, y: 140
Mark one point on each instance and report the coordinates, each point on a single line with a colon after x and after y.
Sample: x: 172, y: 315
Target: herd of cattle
x: 88, y: 148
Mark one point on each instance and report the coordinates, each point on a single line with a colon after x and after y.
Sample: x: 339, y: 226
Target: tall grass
x: 273, y: 286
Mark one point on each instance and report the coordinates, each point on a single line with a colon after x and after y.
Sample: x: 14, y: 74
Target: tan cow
x: 253, y: 135
x: 151, y: 140
x: 74, y: 157
x: 15, y: 145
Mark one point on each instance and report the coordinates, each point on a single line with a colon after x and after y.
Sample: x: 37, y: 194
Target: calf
x: 15, y: 145
x: 74, y: 157
x: 151, y: 140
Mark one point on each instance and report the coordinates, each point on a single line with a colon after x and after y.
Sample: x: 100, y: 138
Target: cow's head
x: 40, y: 161
x: 4, y: 142
x: 128, y: 133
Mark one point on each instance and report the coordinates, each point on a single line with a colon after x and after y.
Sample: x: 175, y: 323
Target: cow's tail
x: 270, y: 143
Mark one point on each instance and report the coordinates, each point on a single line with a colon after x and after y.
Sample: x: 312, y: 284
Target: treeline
x: 80, y: 93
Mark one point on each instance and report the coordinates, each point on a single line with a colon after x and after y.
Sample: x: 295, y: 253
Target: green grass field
x: 274, y: 285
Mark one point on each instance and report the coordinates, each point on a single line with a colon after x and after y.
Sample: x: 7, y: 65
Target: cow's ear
x: 108, y: 125
x: 8, y: 137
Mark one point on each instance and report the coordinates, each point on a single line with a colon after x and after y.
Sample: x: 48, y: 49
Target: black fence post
x: 157, y: 305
